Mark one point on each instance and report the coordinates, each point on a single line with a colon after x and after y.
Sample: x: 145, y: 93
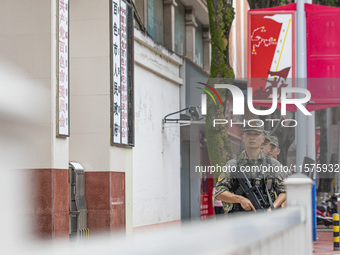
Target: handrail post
x: 299, y: 188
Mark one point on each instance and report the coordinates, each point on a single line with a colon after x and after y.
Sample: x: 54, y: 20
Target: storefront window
x: 155, y: 20
x: 199, y: 44
x: 180, y: 29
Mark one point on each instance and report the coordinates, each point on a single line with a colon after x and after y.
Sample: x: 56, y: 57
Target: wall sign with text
x: 122, y: 83
x: 63, y: 116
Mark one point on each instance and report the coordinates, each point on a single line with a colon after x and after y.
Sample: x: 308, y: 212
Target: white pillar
x: 191, y: 25
x: 206, y: 48
x: 305, y: 140
x: 329, y: 133
x: 169, y: 23
x: 299, y: 188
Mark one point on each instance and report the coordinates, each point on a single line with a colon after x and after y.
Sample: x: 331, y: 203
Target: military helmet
x: 274, y: 141
x: 266, y: 135
x: 254, y: 125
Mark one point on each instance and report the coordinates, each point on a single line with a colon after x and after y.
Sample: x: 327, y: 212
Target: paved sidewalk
x: 324, y: 243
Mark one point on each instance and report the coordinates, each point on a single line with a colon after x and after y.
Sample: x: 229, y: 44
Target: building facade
x: 125, y: 186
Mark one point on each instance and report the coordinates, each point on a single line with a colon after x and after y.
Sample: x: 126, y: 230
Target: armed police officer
x: 265, y: 147
x: 274, y: 147
x: 270, y: 183
x: 274, y: 152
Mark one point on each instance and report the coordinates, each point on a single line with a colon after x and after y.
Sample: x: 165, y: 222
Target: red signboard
x: 265, y: 54
x: 271, y: 40
x: 323, y: 55
x: 204, y: 205
x: 207, y: 185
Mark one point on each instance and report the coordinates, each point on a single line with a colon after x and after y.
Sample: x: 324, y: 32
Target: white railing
x: 281, y: 232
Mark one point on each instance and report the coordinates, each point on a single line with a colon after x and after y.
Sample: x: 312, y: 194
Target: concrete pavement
x: 324, y: 243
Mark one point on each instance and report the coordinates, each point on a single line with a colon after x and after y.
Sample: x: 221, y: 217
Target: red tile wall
x: 60, y: 203
x: 49, y: 202
x: 49, y: 205
x: 105, y: 199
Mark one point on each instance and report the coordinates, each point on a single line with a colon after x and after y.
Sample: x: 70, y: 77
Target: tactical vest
x: 266, y: 161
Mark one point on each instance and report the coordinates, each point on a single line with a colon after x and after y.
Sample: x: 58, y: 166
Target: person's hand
x: 246, y: 204
x: 269, y: 209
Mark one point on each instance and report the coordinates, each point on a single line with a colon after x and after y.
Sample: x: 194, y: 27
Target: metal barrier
x: 84, y: 234
x: 77, y: 203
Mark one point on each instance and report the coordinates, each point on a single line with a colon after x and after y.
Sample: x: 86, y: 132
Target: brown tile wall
x: 105, y: 199
x: 48, y: 207
x: 97, y: 186
x: 117, y: 207
x: 60, y: 203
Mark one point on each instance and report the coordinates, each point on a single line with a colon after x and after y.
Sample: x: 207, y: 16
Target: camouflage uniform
x: 275, y: 141
x: 267, y: 135
x: 226, y: 181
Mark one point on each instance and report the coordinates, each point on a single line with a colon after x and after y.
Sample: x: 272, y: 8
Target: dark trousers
x: 218, y: 210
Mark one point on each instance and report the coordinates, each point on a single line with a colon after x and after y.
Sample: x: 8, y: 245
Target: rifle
x: 252, y: 192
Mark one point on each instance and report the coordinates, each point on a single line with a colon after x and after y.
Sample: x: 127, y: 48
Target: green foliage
x: 221, y: 16
x: 334, y: 3
x: 219, y: 32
